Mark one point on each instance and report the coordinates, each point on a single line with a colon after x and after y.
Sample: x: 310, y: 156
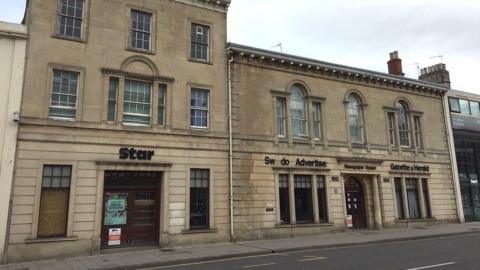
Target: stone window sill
x: 196, y: 231
x: 200, y: 61
x: 53, y: 239
x: 69, y: 38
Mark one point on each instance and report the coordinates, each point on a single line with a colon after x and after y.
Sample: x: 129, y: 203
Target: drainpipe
x: 453, y: 160
x: 230, y: 147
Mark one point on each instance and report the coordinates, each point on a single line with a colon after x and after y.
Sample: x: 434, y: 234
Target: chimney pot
x: 395, y: 64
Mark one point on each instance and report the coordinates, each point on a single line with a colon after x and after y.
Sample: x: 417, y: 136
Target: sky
x: 358, y: 33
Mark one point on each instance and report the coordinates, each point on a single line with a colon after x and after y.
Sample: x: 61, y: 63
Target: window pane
x: 63, y: 100
x: 355, y: 119
x: 137, y: 102
x: 322, y: 199
x: 281, y: 116
x: 454, y: 105
x: 200, y: 40
x: 140, y: 30
x: 403, y: 124
x: 199, y: 198
x: 474, y: 107
x: 303, y: 198
x: 284, y: 197
x: 391, y: 129
x: 464, y: 107
x: 161, y: 104
x: 298, y: 110
x: 418, y: 131
x: 412, y: 197
x: 112, y: 99
x: 70, y: 18
x: 199, y: 108
x: 317, y: 120
x: 399, y: 198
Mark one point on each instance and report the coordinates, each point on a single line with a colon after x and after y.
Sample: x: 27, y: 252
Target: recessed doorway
x: 355, y: 202
x: 131, y: 208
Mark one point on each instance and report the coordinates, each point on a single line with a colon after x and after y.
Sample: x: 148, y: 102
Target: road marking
x: 352, y: 246
x: 432, y: 266
x: 311, y: 258
x: 259, y: 265
x: 213, y: 261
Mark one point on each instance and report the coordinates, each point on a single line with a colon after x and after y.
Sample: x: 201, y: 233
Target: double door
x: 131, y: 217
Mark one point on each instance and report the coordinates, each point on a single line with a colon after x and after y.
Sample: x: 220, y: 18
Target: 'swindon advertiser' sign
x: 406, y: 167
x: 132, y: 153
x: 297, y: 162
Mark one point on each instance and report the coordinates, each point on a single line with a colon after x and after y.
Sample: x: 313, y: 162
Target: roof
x: 331, y: 69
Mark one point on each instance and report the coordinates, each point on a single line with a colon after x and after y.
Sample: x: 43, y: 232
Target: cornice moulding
x: 336, y: 71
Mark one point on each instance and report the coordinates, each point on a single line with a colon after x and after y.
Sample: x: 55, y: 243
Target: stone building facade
x: 13, y: 40
x: 328, y: 147
x: 138, y: 127
x: 123, y: 132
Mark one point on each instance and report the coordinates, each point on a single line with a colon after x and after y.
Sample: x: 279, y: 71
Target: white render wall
x: 13, y: 38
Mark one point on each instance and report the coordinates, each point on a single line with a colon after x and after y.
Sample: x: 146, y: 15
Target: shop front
x: 131, y: 208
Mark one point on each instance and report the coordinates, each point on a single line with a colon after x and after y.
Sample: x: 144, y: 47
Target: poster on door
x: 349, y: 221
x: 115, y: 209
x: 114, y: 236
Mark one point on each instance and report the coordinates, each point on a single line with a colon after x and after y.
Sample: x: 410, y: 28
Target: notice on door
x: 114, y: 236
x: 349, y: 221
x: 115, y: 209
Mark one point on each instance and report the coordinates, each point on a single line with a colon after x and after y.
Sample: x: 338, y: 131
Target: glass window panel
x: 412, y: 198
x: 399, y: 198
x: 199, y: 198
x: 140, y: 30
x: 298, y: 110
x: 137, y: 99
x: 474, y: 107
x: 281, y: 116
x: 199, y: 108
x: 199, y: 46
x: 355, y: 119
x: 70, y: 18
x: 464, y: 106
x: 303, y: 198
x: 454, y: 105
x: 403, y: 125
x: 317, y: 124
x: 284, y: 197
x: 64, y: 94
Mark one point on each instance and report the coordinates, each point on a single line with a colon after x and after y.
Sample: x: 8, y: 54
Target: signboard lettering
x: 132, y: 153
x: 298, y: 162
x: 406, y: 167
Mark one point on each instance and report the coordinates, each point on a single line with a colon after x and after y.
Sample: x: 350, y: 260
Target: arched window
x: 298, y: 110
x: 355, y: 119
x: 403, y: 127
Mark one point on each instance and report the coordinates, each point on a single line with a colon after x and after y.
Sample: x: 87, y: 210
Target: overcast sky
x: 358, y: 33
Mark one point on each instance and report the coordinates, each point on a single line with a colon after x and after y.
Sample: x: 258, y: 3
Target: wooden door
x: 143, y: 226
x: 355, y: 202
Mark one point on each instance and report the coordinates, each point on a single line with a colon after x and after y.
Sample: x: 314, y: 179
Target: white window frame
x: 82, y: 19
x: 207, y: 109
x: 138, y: 114
x: 64, y: 107
x: 131, y: 30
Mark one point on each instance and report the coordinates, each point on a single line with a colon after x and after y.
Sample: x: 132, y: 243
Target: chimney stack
x: 395, y: 64
x: 437, y: 73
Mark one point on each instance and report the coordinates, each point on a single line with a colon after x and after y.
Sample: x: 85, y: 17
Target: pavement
x: 188, y: 254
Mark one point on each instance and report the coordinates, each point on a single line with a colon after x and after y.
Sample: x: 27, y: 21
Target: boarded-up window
x: 52, y: 220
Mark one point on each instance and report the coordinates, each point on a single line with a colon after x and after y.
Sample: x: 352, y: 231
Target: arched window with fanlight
x: 403, y: 125
x: 355, y: 118
x: 298, y: 110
